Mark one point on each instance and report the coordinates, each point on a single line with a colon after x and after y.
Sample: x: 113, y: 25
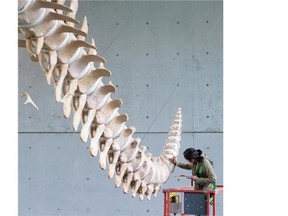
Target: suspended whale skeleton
x: 76, y: 70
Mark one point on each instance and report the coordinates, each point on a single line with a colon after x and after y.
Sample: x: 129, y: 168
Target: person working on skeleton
x: 203, y: 174
x: 202, y: 170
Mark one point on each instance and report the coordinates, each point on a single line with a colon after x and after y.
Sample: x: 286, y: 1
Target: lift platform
x: 190, y: 201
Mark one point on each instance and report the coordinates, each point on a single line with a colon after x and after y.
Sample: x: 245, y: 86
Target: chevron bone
x: 47, y: 29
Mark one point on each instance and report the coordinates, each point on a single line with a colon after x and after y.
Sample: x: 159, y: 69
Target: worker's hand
x: 174, y: 160
x: 194, y: 178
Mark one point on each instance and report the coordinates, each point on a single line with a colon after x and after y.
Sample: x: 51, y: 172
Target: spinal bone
x: 76, y: 71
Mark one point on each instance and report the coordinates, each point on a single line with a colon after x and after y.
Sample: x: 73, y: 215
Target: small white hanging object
x: 29, y: 100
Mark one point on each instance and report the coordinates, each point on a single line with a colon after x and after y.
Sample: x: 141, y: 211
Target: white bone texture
x: 29, y: 100
x: 76, y: 70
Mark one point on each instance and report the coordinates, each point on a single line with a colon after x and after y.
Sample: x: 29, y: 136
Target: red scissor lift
x: 190, y: 190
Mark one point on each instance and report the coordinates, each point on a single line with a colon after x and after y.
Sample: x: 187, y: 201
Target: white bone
x: 85, y: 129
x: 29, y: 100
x: 100, y: 96
x: 150, y: 190
x: 36, y: 43
x: 108, y: 111
x: 134, y: 187
x: 133, y: 166
x: 48, y: 67
x: 59, y: 85
x: 168, y: 166
x: 112, y: 163
x: 172, y: 145
x: 151, y: 178
x: 93, y: 51
x: 35, y: 21
x: 94, y: 143
x: 84, y: 28
x: 21, y: 7
x: 114, y: 153
x: 67, y: 99
x: 141, y: 191
x: 130, y: 153
x: 74, y: 8
x: 121, y: 142
x: 51, y: 5
x: 90, y: 82
x: 77, y: 114
x: 156, y: 189
x: 122, y: 169
x: 60, y: 45
x: 144, y: 171
x: 103, y: 154
x: 77, y: 67
x: 115, y: 127
x: 140, y: 175
x: 127, y: 182
x: 60, y: 2
x: 170, y: 151
x: 61, y: 37
x: 67, y: 52
x: 45, y: 19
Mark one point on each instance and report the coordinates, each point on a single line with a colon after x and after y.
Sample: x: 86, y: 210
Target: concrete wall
x: 163, y: 55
